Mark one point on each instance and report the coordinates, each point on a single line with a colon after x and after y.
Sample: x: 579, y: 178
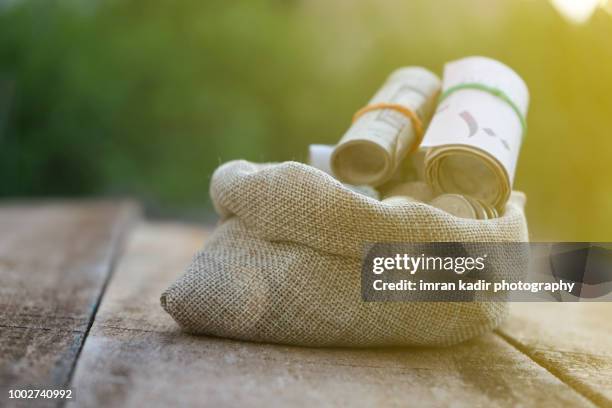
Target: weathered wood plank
x: 55, y: 259
x: 135, y: 354
x: 572, y: 340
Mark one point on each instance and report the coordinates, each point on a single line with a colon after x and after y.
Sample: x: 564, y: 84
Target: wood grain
x: 54, y: 261
x: 571, y: 340
x: 135, y: 354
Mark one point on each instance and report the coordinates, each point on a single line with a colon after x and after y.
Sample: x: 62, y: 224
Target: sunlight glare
x: 577, y: 11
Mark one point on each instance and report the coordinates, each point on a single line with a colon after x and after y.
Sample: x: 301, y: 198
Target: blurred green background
x: 146, y: 97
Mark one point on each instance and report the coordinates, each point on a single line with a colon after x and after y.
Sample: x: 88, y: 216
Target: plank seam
x: 554, y: 372
x: 122, y: 228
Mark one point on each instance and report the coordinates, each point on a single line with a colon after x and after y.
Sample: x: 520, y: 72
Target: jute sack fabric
x: 284, y: 264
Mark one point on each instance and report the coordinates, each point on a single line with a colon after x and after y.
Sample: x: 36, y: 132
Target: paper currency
x: 474, y: 138
x: 386, y: 129
x: 319, y: 156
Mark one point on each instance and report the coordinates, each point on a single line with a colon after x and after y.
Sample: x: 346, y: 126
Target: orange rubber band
x: 414, y: 118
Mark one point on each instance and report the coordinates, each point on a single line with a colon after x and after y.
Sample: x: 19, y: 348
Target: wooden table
x: 79, y: 308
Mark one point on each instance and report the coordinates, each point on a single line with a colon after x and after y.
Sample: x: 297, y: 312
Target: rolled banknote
x: 474, y: 138
x: 387, y: 128
x: 319, y: 156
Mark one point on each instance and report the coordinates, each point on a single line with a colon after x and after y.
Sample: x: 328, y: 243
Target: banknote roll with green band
x: 493, y: 91
x: 473, y: 142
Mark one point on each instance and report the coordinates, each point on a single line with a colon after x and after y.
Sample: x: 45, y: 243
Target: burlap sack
x: 284, y: 264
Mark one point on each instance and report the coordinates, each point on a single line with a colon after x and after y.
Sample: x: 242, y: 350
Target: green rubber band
x: 493, y: 91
